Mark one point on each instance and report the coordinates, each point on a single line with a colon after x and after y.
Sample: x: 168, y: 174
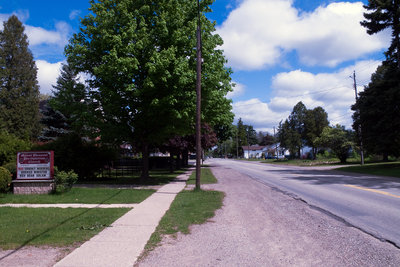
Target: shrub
x: 64, y: 180
x: 71, y: 152
x: 12, y: 168
x: 9, y: 146
x: 5, y: 180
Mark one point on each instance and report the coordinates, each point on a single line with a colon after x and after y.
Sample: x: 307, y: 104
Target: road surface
x: 367, y: 202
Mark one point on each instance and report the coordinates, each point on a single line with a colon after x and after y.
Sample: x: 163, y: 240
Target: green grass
x: 206, y: 177
x: 52, y: 226
x: 304, y: 162
x: 82, y: 195
x: 188, y: 208
x: 384, y: 169
x: 157, y: 177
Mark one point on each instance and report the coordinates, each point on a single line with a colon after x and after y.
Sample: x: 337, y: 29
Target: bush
x: 64, y: 180
x: 9, y: 146
x: 71, y: 152
x: 12, y: 168
x: 5, y: 180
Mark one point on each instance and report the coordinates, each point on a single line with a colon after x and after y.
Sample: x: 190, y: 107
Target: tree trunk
x: 385, y: 157
x: 314, y: 153
x: 185, y: 157
x: 171, y: 162
x: 178, y: 161
x: 145, y: 159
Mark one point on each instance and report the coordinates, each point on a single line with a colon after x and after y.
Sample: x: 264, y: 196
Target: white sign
x: 35, y: 165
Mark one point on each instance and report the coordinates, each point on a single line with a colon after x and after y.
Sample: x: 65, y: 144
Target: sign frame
x: 30, y: 161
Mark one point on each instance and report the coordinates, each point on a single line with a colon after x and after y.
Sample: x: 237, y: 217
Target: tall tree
x: 241, y: 137
x: 19, y: 90
x: 385, y: 14
x: 140, y: 57
x: 291, y: 133
x: 377, y: 110
x: 251, y: 135
x: 71, y: 99
x: 315, y: 121
x: 54, y: 122
x: 289, y: 138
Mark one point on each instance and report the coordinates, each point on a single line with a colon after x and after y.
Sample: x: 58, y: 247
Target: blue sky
x: 281, y: 51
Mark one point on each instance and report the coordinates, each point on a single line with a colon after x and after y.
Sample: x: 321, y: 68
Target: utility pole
x: 276, y: 145
x: 237, y: 143
x: 198, y: 99
x: 359, y: 126
x: 248, y: 144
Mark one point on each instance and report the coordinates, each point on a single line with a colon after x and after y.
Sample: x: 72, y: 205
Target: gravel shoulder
x: 33, y: 256
x: 259, y: 226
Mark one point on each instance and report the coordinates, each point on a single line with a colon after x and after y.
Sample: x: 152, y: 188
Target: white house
x: 254, y: 151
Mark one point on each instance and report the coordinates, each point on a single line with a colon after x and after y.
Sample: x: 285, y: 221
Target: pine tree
x: 71, y: 100
x: 385, y: 14
x: 19, y: 90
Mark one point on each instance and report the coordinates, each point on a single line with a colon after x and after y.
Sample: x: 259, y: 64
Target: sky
x: 281, y: 51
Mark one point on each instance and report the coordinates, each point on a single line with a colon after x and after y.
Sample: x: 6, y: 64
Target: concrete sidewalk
x: 123, y: 242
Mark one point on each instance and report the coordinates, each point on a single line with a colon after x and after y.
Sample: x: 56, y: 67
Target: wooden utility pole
x: 359, y: 126
x: 237, y: 143
x: 276, y: 145
x: 198, y: 100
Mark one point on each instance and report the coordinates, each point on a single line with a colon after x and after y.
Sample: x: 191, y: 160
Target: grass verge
x: 188, y: 208
x: 206, y: 177
x: 52, y: 226
x: 384, y: 169
x: 82, y: 195
x: 157, y: 177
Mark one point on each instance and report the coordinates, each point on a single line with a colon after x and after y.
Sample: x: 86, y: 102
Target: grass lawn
x: 52, y: 226
x: 83, y: 195
x: 188, y: 208
x: 304, y: 162
x: 157, y: 177
x: 384, y: 169
x: 206, y: 177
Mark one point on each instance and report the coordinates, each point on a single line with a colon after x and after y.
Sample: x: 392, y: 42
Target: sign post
x: 35, y: 172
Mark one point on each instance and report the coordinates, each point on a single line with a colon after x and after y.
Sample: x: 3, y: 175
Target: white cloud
x: 74, y: 14
x: 39, y: 36
x: 259, y: 32
x: 238, y: 90
x: 332, y: 91
x: 47, y: 75
x: 22, y: 15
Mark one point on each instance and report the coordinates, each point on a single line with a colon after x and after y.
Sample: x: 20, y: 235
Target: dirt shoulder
x: 33, y: 256
x: 259, y: 226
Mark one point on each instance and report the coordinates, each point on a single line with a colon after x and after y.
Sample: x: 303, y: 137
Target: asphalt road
x: 370, y: 203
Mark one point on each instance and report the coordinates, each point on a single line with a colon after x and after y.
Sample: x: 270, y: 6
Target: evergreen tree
x: 54, y: 122
x: 19, y: 90
x: 377, y: 110
x: 71, y: 100
x: 385, y: 14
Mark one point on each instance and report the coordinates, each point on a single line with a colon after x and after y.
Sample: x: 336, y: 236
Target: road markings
x: 372, y: 190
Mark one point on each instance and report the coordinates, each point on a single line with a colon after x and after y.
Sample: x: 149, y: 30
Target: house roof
x: 253, y: 147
